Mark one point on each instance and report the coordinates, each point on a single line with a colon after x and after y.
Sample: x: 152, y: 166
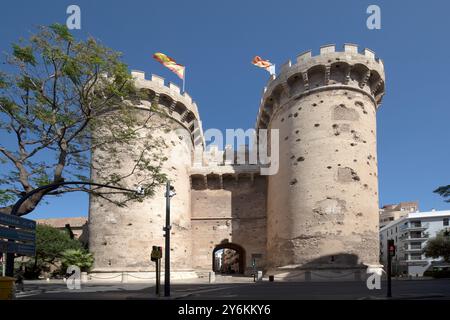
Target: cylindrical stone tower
x: 322, y: 207
x: 121, y: 239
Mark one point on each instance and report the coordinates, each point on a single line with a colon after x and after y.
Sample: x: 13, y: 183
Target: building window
x: 445, y: 221
x: 416, y: 224
x: 416, y: 256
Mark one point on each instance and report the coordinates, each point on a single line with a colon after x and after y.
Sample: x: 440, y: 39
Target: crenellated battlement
x: 348, y: 69
x: 349, y: 49
x: 178, y: 105
x: 214, y: 159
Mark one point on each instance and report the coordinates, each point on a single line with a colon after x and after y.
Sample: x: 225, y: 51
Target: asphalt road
x: 401, y: 289
x: 423, y: 289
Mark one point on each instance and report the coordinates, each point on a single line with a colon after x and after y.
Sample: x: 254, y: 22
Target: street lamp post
x: 47, y: 188
x: 170, y: 192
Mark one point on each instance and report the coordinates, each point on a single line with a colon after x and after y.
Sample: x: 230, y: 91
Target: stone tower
x: 322, y: 207
x: 121, y: 238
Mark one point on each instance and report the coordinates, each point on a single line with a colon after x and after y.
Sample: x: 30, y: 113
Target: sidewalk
x: 43, y: 289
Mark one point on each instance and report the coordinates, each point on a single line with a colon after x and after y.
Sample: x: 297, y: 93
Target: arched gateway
x: 228, y: 258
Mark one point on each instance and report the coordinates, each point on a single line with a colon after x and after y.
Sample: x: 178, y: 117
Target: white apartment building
x: 410, y: 234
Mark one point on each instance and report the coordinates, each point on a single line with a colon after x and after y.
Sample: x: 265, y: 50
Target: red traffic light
x: 391, y: 247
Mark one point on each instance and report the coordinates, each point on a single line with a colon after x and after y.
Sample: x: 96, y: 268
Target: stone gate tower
x: 322, y: 207
x: 317, y: 217
x: 121, y: 239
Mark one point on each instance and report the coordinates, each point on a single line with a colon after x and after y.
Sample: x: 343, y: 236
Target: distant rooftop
x: 417, y: 215
x: 76, y: 222
x: 402, y: 206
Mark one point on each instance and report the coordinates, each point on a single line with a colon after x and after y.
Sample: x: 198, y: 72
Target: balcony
x: 416, y: 261
x: 415, y: 227
x: 408, y: 248
x: 413, y: 259
x: 413, y: 249
x: 414, y: 237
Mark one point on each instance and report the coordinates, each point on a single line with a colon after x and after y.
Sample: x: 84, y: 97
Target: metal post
x: 389, y: 275
x: 158, y: 275
x: 9, y: 264
x: 167, y: 248
x: 254, y: 269
x: 4, y: 264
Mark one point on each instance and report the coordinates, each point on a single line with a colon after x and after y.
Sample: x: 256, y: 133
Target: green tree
x: 51, y: 243
x: 78, y: 257
x: 439, y: 246
x: 60, y: 100
x: 444, y: 191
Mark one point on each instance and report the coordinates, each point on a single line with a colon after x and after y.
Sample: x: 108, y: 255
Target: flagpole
x: 184, y: 78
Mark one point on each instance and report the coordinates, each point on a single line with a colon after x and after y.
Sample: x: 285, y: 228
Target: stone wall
x: 234, y: 213
x: 121, y: 238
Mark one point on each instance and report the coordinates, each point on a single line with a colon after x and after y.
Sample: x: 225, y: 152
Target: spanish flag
x: 265, y: 64
x: 168, y: 62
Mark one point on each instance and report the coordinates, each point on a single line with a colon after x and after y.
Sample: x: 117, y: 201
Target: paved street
x: 402, y: 289
x: 425, y: 289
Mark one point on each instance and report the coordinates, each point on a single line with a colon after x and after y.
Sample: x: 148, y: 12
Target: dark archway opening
x: 228, y: 258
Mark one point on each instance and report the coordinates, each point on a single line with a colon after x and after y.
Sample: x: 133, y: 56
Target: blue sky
x: 217, y: 39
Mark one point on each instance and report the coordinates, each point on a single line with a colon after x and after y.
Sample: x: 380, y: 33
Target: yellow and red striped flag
x: 265, y: 64
x: 170, y: 63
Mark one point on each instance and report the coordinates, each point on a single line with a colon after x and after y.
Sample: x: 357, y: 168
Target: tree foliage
x: 78, y: 257
x: 60, y: 100
x: 444, y: 191
x: 51, y: 243
x: 51, y: 246
x: 439, y: 246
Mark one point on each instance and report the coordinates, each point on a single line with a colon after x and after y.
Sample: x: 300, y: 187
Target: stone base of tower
x: 298, y: 274
x: 138, y: 276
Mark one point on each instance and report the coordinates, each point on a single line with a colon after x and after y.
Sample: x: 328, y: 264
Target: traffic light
x: 156, y: 253
x: 391, y: 247
x: 156, y: 256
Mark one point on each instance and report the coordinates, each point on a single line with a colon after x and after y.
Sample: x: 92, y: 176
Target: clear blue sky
x: 217, y: 39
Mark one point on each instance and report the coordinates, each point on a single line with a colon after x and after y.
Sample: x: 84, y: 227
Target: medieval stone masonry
x: 317, y: 215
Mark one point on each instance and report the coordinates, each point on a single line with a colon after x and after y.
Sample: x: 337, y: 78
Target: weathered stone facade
x: 318, y: 212
x: 229, y: 211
